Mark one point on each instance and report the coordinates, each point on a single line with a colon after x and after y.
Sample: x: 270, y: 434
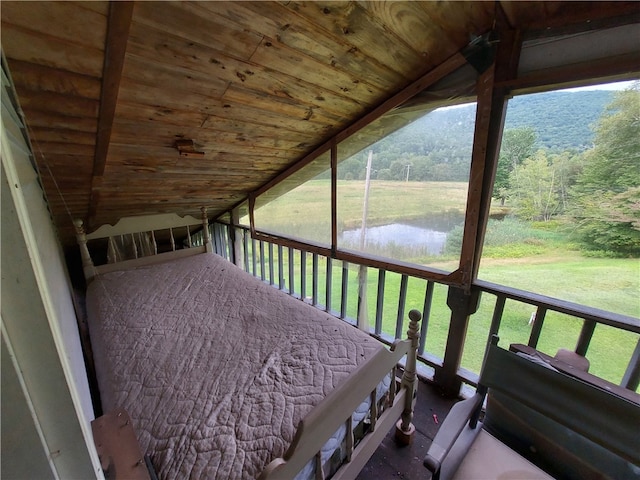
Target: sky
x: 604, y: 86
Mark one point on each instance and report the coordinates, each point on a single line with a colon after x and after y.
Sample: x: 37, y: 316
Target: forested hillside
x: 438, y: 146
x: 561, y: 120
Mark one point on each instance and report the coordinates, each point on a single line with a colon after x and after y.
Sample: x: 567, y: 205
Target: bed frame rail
x: 136, y: 225
x: 337, y: 408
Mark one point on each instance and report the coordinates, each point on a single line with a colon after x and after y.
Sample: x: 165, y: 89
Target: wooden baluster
x: 314, y: 279
x: 319, y: 470
x: 405, y: 430
x: 205, y: 230
x: 344, y: 290
x: 536, y: 329
x: 245, y: 242
x: 280, y: 267
x: 373, y: 410
x: 328, y: 284
x: 392, y: 388
x: 112, y: 252
x: 303, y: 275
x: 87, y: 264
x: 154, y: 243
x: 271, y: 264
x: 380, y: 300
x: 349, y: 438
x: 292, y: 289
x: 135, y: 247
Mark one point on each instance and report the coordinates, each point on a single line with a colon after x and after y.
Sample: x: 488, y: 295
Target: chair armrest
x: 449, y: 432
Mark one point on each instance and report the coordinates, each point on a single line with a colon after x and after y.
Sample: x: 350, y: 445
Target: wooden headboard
x: 141, y: 224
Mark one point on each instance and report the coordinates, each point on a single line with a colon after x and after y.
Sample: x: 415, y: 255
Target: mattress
x: 215, y: 367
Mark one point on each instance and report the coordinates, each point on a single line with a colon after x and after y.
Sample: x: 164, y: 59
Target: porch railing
x: 324, y: 283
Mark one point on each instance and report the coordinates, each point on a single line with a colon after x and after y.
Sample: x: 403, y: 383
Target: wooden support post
x: 205, y: 230
x: 87, y: 263
x: 405, y: 430
x: 462, y: 306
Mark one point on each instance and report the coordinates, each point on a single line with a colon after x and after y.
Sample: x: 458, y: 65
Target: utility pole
x: 363, y: 318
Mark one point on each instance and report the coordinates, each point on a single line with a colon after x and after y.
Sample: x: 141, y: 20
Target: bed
x: 225, y: 376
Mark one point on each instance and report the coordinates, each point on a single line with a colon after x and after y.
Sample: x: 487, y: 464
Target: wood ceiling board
x: 277, y: 57
x: 410, y: 22
x: 88, y: 27
x: 176, y: 185
x: 158, y: 113
x: 100, y: 7
x: 31, y: 76
x: 54, y: 102
x: 151, y: 152
x: 38, y: 118
x: 282, y: 107
x: 349, y: 22
x: 218, y: 161
x: 195, y: 24
x: 48, y: 148
x: 290, y: 29
x: 280, y: 127
x: 205, y: 139
x: 218, y: 114
x: 34, y: 47
x: 151, y: 72
x: 83, y: 162
x: 148, y: 42
x: 179, y: 170
x: 44, y: 134
x: 461, y: 21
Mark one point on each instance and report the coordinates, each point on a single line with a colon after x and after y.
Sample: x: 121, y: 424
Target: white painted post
x: 405, y: 430
x: 87, y: 263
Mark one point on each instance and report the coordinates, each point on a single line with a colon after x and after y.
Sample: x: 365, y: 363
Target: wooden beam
x: 490, y: 115
x: 621, y: 67
x: 119, y: 22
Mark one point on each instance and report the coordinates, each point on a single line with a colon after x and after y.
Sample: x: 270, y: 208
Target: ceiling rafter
x: 119, y: 22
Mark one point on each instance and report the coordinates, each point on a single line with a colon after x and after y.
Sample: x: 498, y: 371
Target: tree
x: 517, y: 145
x: 534, y: 188
x: 606, y: 195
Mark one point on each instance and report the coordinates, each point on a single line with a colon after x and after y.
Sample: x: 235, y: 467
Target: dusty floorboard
x: 391, y: 461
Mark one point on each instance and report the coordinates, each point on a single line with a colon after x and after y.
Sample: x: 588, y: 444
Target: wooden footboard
x: 135, y: 225
x: 337, y: 408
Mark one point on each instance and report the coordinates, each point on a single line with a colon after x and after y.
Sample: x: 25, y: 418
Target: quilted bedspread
x: 215, y: 367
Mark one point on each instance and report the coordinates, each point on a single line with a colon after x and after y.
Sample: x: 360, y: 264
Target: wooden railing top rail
x: 605, y: 317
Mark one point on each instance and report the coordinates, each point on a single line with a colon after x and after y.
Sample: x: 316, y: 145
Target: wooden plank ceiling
x: 107, y: 89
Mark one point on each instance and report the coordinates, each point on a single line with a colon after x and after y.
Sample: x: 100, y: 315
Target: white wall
x: 39, y: 325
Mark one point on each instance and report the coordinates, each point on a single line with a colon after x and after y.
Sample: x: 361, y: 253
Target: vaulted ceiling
x: 108, y: 89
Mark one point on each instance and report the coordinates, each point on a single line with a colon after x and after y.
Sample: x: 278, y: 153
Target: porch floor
x: 391, y: 461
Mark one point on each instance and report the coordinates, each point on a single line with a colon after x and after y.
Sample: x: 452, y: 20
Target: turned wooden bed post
x: 87, y: 264
x: 205, y: 232
x: 405, y: 430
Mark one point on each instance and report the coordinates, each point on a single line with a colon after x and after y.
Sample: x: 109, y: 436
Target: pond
x: 426, y: 234
x: 399, y: 234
